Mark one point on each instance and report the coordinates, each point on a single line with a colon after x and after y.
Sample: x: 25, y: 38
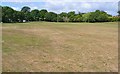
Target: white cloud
x: 35, y: 7
x: 55, y: 1
x: 85, y: 5
x: 59, y: 6
x: 16, y: 8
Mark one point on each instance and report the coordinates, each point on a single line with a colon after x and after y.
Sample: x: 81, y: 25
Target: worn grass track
x: 45, y: 46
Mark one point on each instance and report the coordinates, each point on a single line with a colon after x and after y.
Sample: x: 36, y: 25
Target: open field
x: 45, y: 46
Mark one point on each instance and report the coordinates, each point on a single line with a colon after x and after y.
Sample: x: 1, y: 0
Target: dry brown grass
x: 62, y: 47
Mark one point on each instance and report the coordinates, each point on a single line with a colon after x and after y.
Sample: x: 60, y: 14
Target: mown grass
x: 50, y: 46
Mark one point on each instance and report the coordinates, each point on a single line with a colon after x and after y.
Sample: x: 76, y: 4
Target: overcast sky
x: 110, y: 6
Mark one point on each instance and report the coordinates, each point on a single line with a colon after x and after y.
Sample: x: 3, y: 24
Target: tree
x: 102, y: 16
x: 72, y: 13
x: 18, y: 16
x: 92, y: 17
x: 63, y: 17
x: 85, y: 17
x: 71, y: 16
x: 35, y: 15
x: 7, y: 14
x: 42, y: 14
x: 59, y: 18
x: 15, y: 16
x: 11, y: 15
x: 77, y: 18
x: 51, y: 16
x: 97, y: 16
x: 25, y: 9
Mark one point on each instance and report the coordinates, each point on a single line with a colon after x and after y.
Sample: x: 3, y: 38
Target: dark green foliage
x: 18, y: 16
x: 60, y: 18
x: 63, y: 17
x: 101, y: 16
x: 35, y: 15
x: 51, y: 16
x: 85, y: 17
x: 71, y: 16
x: 97, y: 16
x: 113, y: 19
x: 25, y: 9
x: 7, y: 14
x: 42, y: 14
x: 78, y: 18
x: 26, y: 12
x: 10, y: 15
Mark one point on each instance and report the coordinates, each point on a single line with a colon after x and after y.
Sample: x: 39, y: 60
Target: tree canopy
x: 25, y: 9
x: 11, y: 15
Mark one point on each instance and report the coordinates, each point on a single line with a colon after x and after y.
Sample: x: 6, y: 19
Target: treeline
x: 26, y: 15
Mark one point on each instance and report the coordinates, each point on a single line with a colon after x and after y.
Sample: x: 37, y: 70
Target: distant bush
x: 114, y: 19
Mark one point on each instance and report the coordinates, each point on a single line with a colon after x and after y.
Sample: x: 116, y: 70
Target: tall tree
x: 102, y: 17
x: 26, y: 11
x: 77, y: 18
x: 42, y: 14
x: 18, y: 16
x: 35, y: 15
x: 85, y: 17
x: 51, y: 16
x: 7, y: 14
x: 71, y: 16
x: 63, y: 17
x: 97, y: 16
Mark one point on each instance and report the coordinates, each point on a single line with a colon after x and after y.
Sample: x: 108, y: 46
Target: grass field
x: 46, y: 46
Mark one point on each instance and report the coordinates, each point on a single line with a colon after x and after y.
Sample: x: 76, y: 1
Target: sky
x: 110, y: 6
